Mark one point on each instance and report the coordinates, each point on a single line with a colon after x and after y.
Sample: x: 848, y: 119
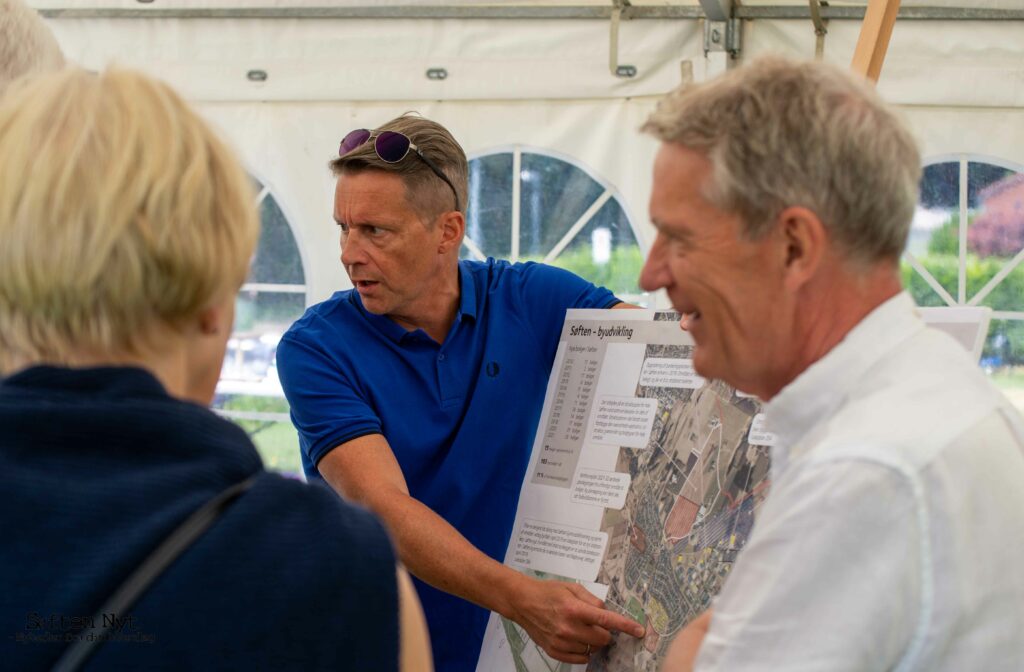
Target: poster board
x: 643, y: 485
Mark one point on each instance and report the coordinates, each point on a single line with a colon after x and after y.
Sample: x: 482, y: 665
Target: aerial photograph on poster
x: 643, y: 486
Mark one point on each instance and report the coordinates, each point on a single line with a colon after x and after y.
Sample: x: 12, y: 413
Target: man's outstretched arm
x: 563, y: 618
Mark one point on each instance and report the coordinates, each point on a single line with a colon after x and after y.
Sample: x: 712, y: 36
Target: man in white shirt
x: 893, y: 536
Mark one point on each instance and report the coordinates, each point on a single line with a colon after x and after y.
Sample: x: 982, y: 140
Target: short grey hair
x: 781, y: 133
x: 26, y: 43
x: 425, y: 191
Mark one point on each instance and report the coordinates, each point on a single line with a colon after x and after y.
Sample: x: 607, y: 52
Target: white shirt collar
x: 815, y: 394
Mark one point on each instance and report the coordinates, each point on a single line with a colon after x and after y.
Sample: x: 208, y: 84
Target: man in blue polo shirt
x: 418, y: 392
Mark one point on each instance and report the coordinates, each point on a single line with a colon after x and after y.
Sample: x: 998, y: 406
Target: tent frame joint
x: 724, y: 36
x: 620, y: 10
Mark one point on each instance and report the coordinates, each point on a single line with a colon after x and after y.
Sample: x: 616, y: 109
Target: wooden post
x: 874, y: 37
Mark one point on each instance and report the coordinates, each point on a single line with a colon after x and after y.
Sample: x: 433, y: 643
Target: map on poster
x: 643, y: 485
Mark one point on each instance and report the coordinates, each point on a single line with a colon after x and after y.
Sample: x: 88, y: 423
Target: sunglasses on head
x: 391, y: 147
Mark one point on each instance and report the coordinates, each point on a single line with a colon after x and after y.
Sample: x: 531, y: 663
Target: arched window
x: 273, y: 296
x: 528, y: 204
x: 977, y: 263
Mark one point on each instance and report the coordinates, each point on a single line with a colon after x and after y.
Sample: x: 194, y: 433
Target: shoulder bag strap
x: 129, y: 592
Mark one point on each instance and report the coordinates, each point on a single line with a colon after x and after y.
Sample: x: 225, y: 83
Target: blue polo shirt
x: 460, y: 416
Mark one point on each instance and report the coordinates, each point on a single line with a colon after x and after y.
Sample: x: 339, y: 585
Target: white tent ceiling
x: 542, y: 82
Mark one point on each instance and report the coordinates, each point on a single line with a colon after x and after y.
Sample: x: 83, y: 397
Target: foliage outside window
x: 531, y: 205
x: 977, y: 264
x: 273, y: 296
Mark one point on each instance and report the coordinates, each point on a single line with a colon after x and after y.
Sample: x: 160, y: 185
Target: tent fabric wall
x: 959, y: 85
x: 935, y: 63
x: 369, y: 60
x: 510, y: 82
x: 288, y: 146
x: 543, y: 83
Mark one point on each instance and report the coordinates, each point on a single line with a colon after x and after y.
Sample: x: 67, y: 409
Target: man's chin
x: 373, y: 304
x: 699, y: 358
x: 704, y: 364
x: 707, y: 368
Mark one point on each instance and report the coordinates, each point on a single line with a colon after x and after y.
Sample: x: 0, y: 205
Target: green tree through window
x: 979, y: 263
x: 528, y: 204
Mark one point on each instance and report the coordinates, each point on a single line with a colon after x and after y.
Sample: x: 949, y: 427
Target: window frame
x: 265, y: 191
x: 961, y: 300
x: 609, y: 191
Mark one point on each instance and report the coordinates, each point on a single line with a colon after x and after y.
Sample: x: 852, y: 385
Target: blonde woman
x: 126, y: 229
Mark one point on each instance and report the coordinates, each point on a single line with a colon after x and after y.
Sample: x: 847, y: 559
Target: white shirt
x: 893, y: 536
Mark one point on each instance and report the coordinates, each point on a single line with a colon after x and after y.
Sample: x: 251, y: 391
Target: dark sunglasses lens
x: 353, y: 140
x: 392, y: 147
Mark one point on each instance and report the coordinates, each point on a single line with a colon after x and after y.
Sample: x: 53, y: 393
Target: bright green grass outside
x: 277, y: 443
x: 1008, y: 379
x: 1011, y: 381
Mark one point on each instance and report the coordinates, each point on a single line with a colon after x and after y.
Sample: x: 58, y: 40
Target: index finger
x: 609, y: 620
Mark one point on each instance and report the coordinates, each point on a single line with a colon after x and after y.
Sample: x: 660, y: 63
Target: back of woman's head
x: 121, y: 215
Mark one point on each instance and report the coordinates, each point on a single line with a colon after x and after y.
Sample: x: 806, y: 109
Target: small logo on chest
x: 492, y: 369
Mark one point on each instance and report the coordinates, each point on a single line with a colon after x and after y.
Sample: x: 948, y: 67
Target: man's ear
x: 453, y: 228
x: 805, y: 243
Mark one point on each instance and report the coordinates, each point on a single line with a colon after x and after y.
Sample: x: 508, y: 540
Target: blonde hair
x: 781, y: 133
x: 26, y: 43
x: 121, y: 214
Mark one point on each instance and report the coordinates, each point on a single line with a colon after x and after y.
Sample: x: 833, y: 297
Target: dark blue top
x: 459, y: 416
x: 98, y: 466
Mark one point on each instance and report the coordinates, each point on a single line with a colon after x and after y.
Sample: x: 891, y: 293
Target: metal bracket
x: 820, y: 27
x: 625, y: 71
x: 723, y: 36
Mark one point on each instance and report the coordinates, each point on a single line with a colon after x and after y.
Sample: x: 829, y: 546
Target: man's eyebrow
x: 680, y: 232
x: 377, y: 224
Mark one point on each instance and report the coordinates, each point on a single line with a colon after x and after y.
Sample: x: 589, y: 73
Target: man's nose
x: 655, y: 275
x: 351, y: 250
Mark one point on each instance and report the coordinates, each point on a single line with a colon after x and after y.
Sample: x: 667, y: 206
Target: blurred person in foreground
x: 26, y: 43
x: 891, y: 539
x: 126, y: 229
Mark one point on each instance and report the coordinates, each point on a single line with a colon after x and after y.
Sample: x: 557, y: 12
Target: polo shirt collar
x: 385, y: 325
x: 396, y: 332
x: 823, y: 387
